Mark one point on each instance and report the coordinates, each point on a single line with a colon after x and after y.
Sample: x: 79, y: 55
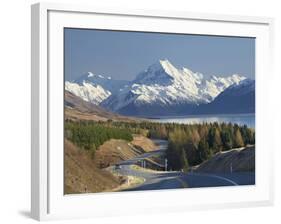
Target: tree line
x: 91, y: 135
x: 190, y: 145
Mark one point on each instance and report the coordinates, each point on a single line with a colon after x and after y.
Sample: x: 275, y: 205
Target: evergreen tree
x: 203, y: 131
x: 195, y: 136
x: 217, y: 141
x: 211, y: 137
x: 226, y: 139
x: 238, y: 140
x: 203, y: 150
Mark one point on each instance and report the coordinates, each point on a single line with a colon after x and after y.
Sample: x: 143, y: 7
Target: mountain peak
x: 90, y: 77
x: 187, y: 70
x: 162, y: 64
x: 248, y: 83
x: 238, y: 78
x: 90, y: 74
x: 165, y: 62
x: 161, y: 72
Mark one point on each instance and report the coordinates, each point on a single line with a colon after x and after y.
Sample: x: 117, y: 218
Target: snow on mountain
x: 243, y: 87
x: 212, y: 87
x: 164, y: 85
x: 88, y: 92
x: 237, y: 98
x: 161, y: 86
x: 94, y: 88
x: 105, y: 82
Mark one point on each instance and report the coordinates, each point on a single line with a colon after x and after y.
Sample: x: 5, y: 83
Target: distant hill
x: 75, y: 102
x: 78, y: 109
x: 238, y: 98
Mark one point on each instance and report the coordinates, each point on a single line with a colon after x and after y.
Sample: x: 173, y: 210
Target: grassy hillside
x: 77, y: 109
x: 116, y: 150
x: 242, y: 160
x: 144, y: 143
x: 84, y: 171
x: 82, y: 174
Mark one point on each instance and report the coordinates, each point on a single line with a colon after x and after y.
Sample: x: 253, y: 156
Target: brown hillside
x: 78, y: 109
x: 114, y: 151
x: 75, y: 115
x: 145, y: 143
x: 242, y: 160
x: 81, y: 173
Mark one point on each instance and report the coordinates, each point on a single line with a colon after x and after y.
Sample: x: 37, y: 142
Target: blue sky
x: 122, y: 55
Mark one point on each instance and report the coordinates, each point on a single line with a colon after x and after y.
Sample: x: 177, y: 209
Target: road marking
x: 219, y: 177
x: 226, y: 179
x: 184, y: 184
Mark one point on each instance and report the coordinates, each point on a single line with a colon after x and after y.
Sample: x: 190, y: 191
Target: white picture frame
x: 48, y: 201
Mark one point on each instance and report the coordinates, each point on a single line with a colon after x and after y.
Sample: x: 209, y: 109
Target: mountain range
x: 238, y: 98
x: 162, y: 89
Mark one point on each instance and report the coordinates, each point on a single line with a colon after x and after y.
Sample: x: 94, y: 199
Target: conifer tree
x: 203, y: 150
x: 226, y: 139
x: 217, y: 141
x: 238, y: 140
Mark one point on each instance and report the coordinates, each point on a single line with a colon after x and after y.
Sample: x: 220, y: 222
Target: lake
x: 240, y: 119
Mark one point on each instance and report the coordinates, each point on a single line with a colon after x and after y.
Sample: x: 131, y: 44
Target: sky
x: 122, y: 55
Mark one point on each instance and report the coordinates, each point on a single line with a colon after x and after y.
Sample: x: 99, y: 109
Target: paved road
x: 162, y: 146
x: 170, y: 180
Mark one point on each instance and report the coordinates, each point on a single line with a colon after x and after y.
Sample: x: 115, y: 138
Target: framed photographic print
x: 148, y: 111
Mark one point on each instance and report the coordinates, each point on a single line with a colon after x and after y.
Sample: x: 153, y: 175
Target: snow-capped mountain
x: 161, y: 89
x: 94, y: 88
x: 246, y: 86
x: 165, y: 87
x: 87, y: 91
x: 237, y: 98
x: 109, y: 84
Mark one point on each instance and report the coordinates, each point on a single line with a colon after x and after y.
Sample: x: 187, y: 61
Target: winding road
x: 156, y: 180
